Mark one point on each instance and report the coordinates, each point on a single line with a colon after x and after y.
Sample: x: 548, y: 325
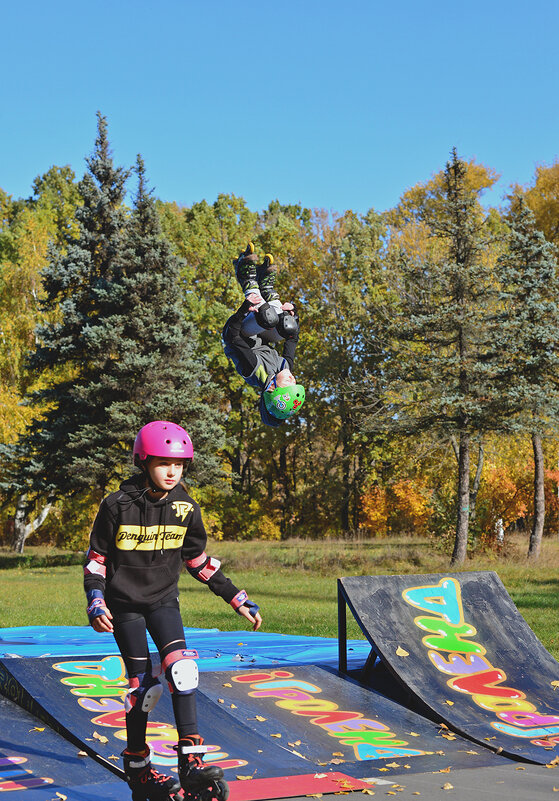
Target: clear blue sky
x: 331, y: 104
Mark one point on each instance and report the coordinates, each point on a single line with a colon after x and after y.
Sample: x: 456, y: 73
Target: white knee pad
x: 182, y: 674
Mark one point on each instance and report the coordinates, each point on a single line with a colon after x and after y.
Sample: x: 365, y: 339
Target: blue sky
x: 330, y: 104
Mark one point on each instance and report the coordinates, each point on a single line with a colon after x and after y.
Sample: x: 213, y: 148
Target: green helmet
x: 284, y: 401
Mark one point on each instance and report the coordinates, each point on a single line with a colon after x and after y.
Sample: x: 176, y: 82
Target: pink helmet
x: 160, y: 438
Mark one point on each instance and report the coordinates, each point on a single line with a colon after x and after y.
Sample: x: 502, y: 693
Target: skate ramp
x: 37, y: 761
x: 305, y: 729
x: 458, y: 644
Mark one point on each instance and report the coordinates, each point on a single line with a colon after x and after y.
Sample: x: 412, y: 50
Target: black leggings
x: 166, y: 628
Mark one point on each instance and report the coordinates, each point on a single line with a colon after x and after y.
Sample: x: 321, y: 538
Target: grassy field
x: 294, y: 582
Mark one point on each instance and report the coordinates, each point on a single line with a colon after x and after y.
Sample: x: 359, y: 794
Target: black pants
x: 165, y: 626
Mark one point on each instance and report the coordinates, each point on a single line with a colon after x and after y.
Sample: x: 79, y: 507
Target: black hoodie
x: 143, y: 544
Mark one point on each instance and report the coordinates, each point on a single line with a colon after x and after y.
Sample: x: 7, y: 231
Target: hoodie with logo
x: 138, y: 546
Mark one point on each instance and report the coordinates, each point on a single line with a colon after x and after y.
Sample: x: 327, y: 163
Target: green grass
x: 294, y: 582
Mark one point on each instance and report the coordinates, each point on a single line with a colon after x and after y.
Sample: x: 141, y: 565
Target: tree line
x: 428, y: 349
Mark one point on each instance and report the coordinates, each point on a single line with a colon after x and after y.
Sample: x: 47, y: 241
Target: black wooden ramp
x: 457, y: 642
x: 306, y: 729
x: 38, y: 762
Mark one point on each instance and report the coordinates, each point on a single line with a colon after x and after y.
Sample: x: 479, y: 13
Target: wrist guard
x: 95, y: 605
x: 241, y: 599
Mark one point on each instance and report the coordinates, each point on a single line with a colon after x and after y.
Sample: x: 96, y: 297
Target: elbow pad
x: 95, y: 565
x: 203, y: 567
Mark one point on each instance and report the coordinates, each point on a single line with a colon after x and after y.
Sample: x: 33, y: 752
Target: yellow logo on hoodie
x: 181, y: 508
x: 149, y: 538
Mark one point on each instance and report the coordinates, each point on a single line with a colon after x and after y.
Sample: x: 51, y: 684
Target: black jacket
x: 142, y: 544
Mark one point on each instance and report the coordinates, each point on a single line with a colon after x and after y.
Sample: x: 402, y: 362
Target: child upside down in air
x: 249, y: 336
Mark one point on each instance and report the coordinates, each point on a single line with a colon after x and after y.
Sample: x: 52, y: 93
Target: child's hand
x: 256, y: 300
x: 288, y: 307
x: 256, y: 620
x: 102, y: 622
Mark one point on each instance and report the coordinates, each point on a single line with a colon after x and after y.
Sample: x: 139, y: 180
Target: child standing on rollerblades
x: 249, y: 336
x: 140, y: 538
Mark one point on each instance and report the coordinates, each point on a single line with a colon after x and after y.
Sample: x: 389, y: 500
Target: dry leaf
x: 368, y: 792
x: 37, y: 728
x: 489, y: 738
x: 401, y: 651
x: 450, y: 703
x: 444, y: 770
x: 100, y: 737
x: 520, y: 767
x: 227, y: 684
x: 337, y: 753
x: 296, y: 753
x: 275, y: 735
x: 220, y: 701
x: 499, y: 750
x: 448, y: 786
x: 320, y: 775
x: 440, y: 753
x: 260, y: 718
x: 392, y: 764
x: 113, y: 756
x: 232, y: 706
x: 336, y: 761
x: 414, y: 734
x: 82, y: 753
x: 556, y: 789
x: 555, y: 684
x: 297, y: 742
x: 472, y: 752
x: 61, y: 796
x: 443, y: 726
x: 383, y: 769
x: 243, y: 778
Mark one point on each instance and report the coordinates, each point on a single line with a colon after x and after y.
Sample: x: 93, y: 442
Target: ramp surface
x: 457, y: 642
x: 38, y: 762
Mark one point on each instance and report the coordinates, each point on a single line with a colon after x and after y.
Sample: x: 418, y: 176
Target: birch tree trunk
x: 539, y: 499
x: 22, y: 529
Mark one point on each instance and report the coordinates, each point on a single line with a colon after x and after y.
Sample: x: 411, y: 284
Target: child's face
x: 165, y: 473
x: 285, y: 378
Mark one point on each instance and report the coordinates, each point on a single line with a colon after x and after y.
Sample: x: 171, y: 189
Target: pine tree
x: 120, y: 352
x: 527, y: 337
x: 148, y: 364
x: 438, y: 348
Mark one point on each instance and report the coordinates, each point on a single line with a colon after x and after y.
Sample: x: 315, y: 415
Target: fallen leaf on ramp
x: 227, y: 684
x: 448, y: 786
x: 100, y: 737
x: 82, y: 754
x: 61, y: 796
x: 450, y: 703
x: 275, y: 735
x: 320, y: 775
x: 401, y: 651
x: 392, y: 764
x: 37, y: 728
x: 243, y: 778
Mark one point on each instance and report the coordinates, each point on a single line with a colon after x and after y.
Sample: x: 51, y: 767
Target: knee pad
x: 287, y: 325
x: 181, y: 671
x: 145, y: 691
x: 267, y: 316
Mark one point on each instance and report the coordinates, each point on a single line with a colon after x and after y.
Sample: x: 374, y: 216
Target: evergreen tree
x: 527, y: 336
x: 438, y: 348
x: 120, y: 352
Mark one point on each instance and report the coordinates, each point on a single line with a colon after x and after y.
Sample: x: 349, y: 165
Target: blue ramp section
x: 458, y: 643
x: 36, y: 763
x: 217, y: 650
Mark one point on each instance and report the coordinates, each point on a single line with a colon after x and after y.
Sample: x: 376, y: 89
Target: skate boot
x: 266, y: 275
x: 245, y: 270
x: 145, y: 782
x: 199, y: 781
